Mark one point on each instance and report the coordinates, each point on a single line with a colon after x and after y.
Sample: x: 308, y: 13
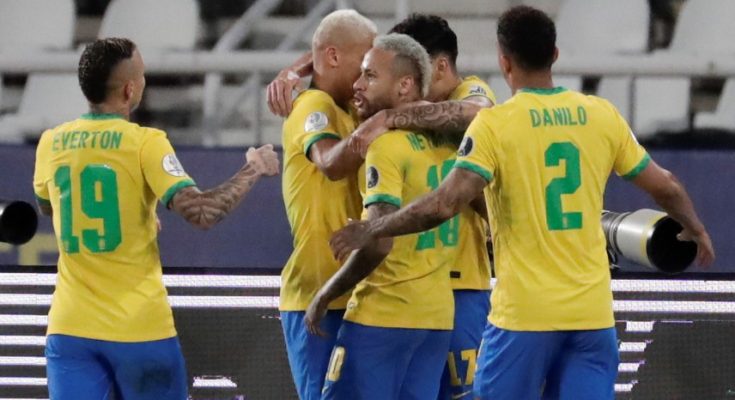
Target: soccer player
x: 470, y: 271
x: 320, y: 189
x: 394, y: 340
x: 543, y: 159
x: 110, y: 325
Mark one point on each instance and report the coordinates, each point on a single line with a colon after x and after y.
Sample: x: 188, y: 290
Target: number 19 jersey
x: 547, y: 155
x: 102, y: 175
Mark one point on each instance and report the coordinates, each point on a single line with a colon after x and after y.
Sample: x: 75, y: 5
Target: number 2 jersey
x: 102, y: 176
x: 547, y: 155
x: 411, y: 287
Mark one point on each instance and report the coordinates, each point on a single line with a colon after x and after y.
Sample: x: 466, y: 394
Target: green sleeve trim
x: 174, y: 189
x: 43, y: 201
x: 474, y: 168
x: 316, y: 138
x: 638, y: 168
x: 382, y: 198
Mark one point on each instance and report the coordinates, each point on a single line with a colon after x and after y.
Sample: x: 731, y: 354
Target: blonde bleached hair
x: 343, y: 27
x: 408, y: 51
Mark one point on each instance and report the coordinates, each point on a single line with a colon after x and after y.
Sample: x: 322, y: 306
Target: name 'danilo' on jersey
x: 561, y: 116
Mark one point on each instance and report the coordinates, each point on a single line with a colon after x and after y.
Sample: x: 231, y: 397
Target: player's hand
x: 314, y: 314
x: 263, y: 160
x: 279, y: 92
x: 353, y: 236
x: 705, y: 250
x: 367, y: 132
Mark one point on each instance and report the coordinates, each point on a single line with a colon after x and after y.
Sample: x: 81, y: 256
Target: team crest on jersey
x: 478, y: 90
x: 316, y: 121
x: 465, y: 148
x: 372, y: 177
x: 172, y: 165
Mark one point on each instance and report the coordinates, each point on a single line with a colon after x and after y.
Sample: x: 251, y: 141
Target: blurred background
x: 668, y: 65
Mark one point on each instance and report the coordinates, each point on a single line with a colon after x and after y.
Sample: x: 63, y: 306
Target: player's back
x: 411, y: 287
x: 316, y: 206
x: 552, y: 152
x: 102, y: 176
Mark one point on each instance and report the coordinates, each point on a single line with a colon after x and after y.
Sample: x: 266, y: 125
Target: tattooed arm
x: 358, y: 266
x: 206, y: 209
x: 457, y: 190
x: 447, y: 117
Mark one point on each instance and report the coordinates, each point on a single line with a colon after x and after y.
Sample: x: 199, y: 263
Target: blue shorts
x: 471, y: 308
x: 374, y: 363
x: 80, y: 369
x: 308, y: 355
x: 520, y: 365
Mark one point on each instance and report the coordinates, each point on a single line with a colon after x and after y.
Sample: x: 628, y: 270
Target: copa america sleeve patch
x: 172, y: 165
x: 465, y: 148
x: 316, y: 121
x: 477, y: 90
x: 372, y: 177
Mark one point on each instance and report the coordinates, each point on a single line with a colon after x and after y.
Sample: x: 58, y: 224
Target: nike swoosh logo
x: 459, y: 396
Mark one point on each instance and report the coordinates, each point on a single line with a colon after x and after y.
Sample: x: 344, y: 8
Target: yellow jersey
x: 411, y: 287
x: 471, y: 270
x: 102, y: 174
x: 316, y: 206
x: 547, y: 155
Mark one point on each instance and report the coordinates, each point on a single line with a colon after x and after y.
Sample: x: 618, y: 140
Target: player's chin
x: 364, y: 111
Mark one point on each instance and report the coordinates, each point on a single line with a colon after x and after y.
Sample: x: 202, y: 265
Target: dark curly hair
x: 97, y: 62
x: 528, y: 36
x: 432, y: 32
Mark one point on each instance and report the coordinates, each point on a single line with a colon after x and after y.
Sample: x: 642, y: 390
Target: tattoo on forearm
x: 206, y: 209
x: 448, y: 116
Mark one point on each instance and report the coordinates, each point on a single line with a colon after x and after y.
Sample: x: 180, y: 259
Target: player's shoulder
x: 313, y: 98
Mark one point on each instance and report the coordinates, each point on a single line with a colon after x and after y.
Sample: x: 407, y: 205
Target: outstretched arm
x: 670, y: 194
x: 358, y: 266
x: 206, y: 209
x: 457, y: 190
x: 447, y: 117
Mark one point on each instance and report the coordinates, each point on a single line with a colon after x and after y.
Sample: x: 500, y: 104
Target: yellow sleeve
x: 314, y: 118
x: 41, y: 173
x: 162, y: 170
x: 631, y: 158
x: 473, y: 86
x: 384, y: 172
x: 477, y: 151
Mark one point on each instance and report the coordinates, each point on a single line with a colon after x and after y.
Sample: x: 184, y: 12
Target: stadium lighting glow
x: 214, y: 382
x: 32, y: 320
x: 13, y: 340
x: 40, y: 361
x: 632, y: 347
x: 678, y: 307
x: 639, y: 326
x: 12, y: 381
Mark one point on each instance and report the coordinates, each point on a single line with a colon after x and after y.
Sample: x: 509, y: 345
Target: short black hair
x: 528, y: 36
x: 97, y: 62
x: 432, y: 32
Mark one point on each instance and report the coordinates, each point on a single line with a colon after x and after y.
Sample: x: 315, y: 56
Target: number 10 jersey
x: 101, y: 176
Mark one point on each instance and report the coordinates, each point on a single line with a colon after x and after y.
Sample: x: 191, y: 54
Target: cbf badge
x: 465, y: 148
x: 172, y: 165
x: 372, y: 177
x: 316, y: 121
x: 477, y: 90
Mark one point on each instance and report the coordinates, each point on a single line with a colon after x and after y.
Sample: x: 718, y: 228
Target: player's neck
x: 532, y: 80
x: 105, y: 108
x: 444, y: 87
x: 331, y: 87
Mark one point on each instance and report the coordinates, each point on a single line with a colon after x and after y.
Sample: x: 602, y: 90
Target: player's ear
x: 332, y: 56
x: 406, y: 85
x: 556, y: 54
x: 128, y: 90
x: 440, y: 65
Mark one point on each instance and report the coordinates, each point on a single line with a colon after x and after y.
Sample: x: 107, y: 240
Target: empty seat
x: 36, y: 24
x: 474, y: 8
x: 153, y: 24
x: 724, y: 116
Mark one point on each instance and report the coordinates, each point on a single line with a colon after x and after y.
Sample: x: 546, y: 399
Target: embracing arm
x: 357, y: 267
x: 457, y: 190
x: 206, y: 209
x: 335, y: 159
